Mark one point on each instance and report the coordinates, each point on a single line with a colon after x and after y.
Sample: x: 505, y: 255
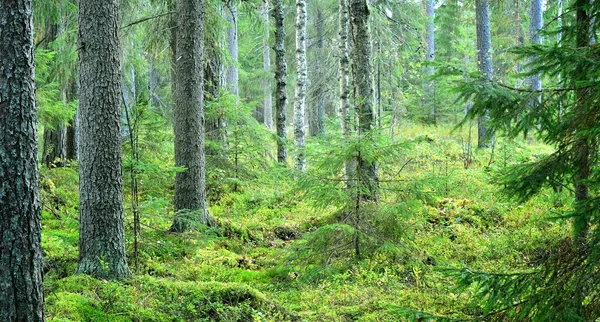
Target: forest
x: 306, y: 160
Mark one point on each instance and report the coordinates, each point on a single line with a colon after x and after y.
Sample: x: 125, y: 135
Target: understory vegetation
x: 283, y: 250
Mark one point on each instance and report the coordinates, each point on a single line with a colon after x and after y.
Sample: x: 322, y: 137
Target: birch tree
x: 281, y: 79
x: 301, y: 80
x: 267, y: 101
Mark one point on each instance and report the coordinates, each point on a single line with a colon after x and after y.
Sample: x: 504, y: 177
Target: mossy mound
x: 144, y: 298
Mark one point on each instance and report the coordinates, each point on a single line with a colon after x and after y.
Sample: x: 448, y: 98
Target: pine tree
x: 20, y: 211
x: 190, y: 185
x: 101, y: 231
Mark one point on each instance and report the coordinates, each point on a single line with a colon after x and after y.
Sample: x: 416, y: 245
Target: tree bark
x: 583, y: 148
x: 362, y: 75
x: 232, y: 47
x: 301, y: 80
x: 281, y: 79
x: 190, y: 185
x: 101, y: 231
x: 268, y: 103
x: 484, y: 63
x: 316, y: 110
x: 21, y: 291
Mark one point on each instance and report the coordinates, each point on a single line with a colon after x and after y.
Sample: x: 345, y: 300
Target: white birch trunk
x: 301, y: 80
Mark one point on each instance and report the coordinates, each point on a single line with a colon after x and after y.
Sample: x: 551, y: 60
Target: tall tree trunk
x: 362, y: 75
x: 316, y: 119
x: 22, y: 296
x: 232, y: 47
x: 583, y: 147
x: 301, y: 80
x: 268, y: 103
x: 430, y: 104
x: 190, y: 185
x: 484, y: 63
x: 536, y: 20
x: 345, y: 111
x: 281, y: 79
x: 101, y: 232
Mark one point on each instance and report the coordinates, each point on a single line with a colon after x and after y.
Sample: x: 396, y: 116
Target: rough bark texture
x: 268, y: 101
x: 362, y: 75
x: 536, y: 20
x: 101, y: 232
x: 190, y: 185
x: 301, y: 82
x: 21, y: 292
x: 430, y: 104
x: 484, y: 62
x: 281, y: 79
x: 316, y: 110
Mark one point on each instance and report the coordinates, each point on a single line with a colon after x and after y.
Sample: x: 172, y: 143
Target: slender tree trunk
x: 484, y: 62
x: 281, y: 79
x: 316, y: 110
x: 430, y: 103
x: 536, y: 21
x: 72, y: 127
x: 22, y: 297
x: 268, y: 103
x: 101, y: 231
x: 301, y: 80
x: 190, y: 185
x: 232, y: 47
x: 362, y: 75
x: 345, y: 111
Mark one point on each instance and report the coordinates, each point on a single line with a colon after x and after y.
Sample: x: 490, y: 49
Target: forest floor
x: 261, y: 262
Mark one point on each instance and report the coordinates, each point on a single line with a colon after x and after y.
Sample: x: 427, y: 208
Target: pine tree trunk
x: 22, y: 297
x: 484, y: 63
x: 101, y: 231
x: 430, y: 103
x: 190, y: 185
x: 72, y: 127
x: 316, y: 110
x: 301, y: 80
x: 281, y: 79
x: 362, y: 75
x: 268, y: 103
